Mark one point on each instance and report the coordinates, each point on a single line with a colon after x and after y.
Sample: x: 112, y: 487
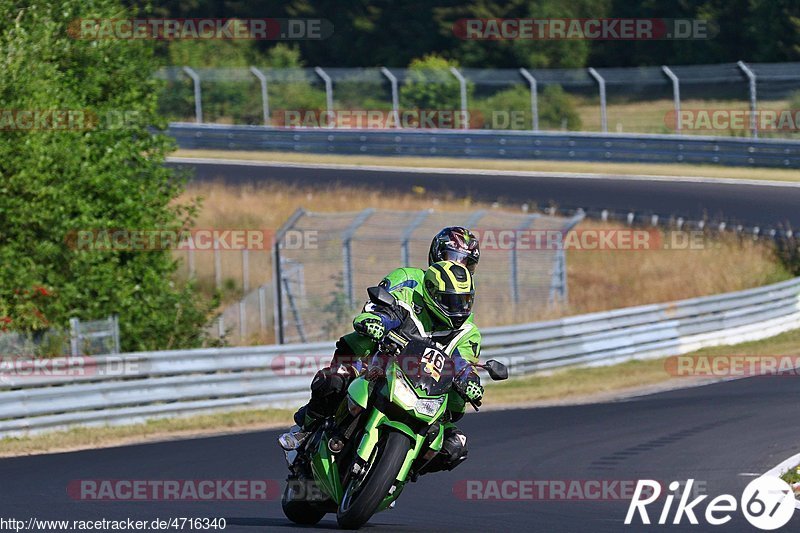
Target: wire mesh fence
x: 732, y: 99
x: 322, y: 286
x: 88, y: 337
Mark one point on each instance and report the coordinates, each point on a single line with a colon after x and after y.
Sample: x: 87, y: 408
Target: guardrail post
x: 751, y: 77
x: 601, y: 83
x: 277, y: 277
x: 347, y: 237
x: 462, y: 83
x: 395, y: 95
x: 328, y: 91
x: 404, y: 252
x: 513, y: 261
x: 264, y: 97
x: 198, y: 97
x: 534, y: 98
x: 676, y: 95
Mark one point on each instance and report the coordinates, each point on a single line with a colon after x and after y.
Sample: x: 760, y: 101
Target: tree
x: 103, y: 171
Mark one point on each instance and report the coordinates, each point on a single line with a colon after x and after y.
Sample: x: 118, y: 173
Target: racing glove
x: 370, y: 327
x: 473, y: 390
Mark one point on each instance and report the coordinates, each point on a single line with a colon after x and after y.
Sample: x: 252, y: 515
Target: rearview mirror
x: 497, y: 370
x: 380, y: 296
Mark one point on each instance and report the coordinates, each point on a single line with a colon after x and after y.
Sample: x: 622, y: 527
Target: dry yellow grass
x: 610, y: 279
x: 656, y: 116
x: 598, y: 280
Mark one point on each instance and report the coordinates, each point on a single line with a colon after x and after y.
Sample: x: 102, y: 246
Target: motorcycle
x: 387, y: 429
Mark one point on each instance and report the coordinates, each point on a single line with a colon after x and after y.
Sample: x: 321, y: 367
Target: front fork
x: 369, y: 440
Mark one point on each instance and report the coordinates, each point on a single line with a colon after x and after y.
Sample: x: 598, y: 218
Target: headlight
x: 429, y: 407
x: 404, y: 393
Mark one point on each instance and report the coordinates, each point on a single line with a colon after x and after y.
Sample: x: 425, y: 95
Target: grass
x: 155, y: 429
x: 657, y: 116
x: 598, y: 280
x: 569, y: 384
x: 625, y: 169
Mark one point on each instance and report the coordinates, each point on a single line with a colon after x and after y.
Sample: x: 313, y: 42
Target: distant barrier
x: 573, y: 146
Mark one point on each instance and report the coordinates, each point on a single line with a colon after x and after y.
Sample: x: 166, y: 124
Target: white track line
x: 484, y: 172
x: 785, y: 466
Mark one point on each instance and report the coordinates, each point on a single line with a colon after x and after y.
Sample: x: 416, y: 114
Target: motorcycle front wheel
x: 362, y: 496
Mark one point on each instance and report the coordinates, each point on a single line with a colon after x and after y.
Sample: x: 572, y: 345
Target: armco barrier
x: 134, y: 387
x: 512, y: 144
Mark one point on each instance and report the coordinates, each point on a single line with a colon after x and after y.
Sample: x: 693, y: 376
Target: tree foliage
x: 107, y: 174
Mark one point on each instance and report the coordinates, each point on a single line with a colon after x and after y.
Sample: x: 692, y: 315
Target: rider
x: 453, y: 243
x: 436, y: 300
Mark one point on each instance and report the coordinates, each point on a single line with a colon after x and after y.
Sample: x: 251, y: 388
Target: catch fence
x: 621, y: 100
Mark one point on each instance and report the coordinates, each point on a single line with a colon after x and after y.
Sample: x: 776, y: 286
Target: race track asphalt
x: 720, y: 435
x: 739, y: 203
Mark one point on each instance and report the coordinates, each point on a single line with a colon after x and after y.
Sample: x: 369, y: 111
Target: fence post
x: 404, y: 252
x: 676, y: 95
x: 462, y: 83
x: 347, y: 237
x: 474, y: 218
x: 328, y: 92
x: 242, y: 320
x: 217, y: 265
x: 114, y: 320
x: 558, y: 281
x: 601, y: 83
x: 262, y: 308
x: 245, y: 271
x: 751, y: 77
x: 277, y: 278
x: 198, y: 99
x: 534, y: 98
x: 264, y: 97
x: 192, y: 266
x: 513, y: 262
x: 74, y: 334
x: 395, y: 96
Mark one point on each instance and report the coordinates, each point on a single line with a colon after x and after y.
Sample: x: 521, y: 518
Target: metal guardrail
x: 134, y: 387
x: 507, y: 144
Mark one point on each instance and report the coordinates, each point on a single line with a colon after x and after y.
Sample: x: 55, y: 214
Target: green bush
x: 102, y: 176
x: 430, y: 85
x: 503, y: 109
x: 236, y: 101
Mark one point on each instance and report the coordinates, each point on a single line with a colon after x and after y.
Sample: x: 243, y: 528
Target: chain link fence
x: 89, y: 337
x: 322, y: 283
x: 732, y: 99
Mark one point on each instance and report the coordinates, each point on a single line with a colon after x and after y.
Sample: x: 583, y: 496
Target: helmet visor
x: 455, y: 304
x: 460, y: 257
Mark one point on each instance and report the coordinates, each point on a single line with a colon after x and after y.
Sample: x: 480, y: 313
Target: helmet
x: 455, y: 244
x: 448, y: 291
